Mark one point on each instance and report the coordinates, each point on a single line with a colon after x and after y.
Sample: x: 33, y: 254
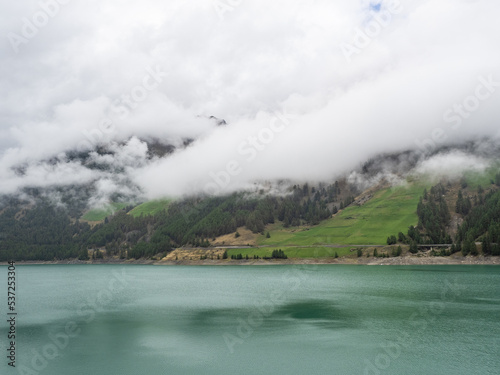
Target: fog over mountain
x: 309, y: 90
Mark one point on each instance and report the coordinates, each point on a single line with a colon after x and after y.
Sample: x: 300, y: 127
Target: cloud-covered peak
x: 310, y: 89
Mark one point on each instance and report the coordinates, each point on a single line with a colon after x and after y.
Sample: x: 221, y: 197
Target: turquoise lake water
x: 328, y: 319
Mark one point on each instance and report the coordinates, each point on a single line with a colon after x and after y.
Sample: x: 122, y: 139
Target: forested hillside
x: 464, y: 217
x: 468, y: 220
x: 43, y: 231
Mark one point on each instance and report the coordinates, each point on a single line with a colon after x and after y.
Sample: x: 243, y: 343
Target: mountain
x: 401, y: 199
x: 95, y: 174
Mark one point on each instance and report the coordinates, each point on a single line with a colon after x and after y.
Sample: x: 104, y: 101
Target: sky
x: 309, y: 88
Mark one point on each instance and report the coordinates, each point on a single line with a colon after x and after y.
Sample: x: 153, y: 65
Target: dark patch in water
x: 322, y: 313
x: 207, y: 317
x: 308, y: 310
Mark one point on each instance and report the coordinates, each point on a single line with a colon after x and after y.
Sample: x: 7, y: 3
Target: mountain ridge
x: 39, y: 229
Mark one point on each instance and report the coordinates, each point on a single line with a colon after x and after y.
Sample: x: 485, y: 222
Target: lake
x: 323, y: 319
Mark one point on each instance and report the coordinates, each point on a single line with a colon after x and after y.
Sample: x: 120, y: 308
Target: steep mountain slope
x: 388, y: 210
x: 375, y: 205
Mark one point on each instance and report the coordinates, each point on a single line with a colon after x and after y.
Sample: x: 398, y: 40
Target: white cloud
x: 79, y: 70
x: 452, y: 165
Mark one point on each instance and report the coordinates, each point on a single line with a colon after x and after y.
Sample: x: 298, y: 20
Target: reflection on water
x: 174, y: 320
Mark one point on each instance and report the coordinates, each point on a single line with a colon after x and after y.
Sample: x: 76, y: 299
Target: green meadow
x: 483, y: 178
x: 388, y: 212
x: 293, y: 252
x: 99, y: 214
x: 147, y: 208
x: 150, y: 208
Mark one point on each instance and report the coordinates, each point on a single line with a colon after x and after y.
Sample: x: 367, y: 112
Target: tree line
x: 481, y: 221
x: 45, y: 231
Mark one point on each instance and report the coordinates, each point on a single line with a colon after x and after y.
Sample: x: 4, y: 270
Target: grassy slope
x: 475, y: 178
x: 147, y: 208
x: 150, y: 208
x: 294, y: 252
x: 389, y: 211
x: 100, y: 214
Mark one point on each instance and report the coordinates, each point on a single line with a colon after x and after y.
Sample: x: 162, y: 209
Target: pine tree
x: 391, y: 240
x: 84, y: 254
x: 486, y: 244
x: 473, y: 249
x: 401, y: 237
x: 460, y: 203
x: 495, y: 249
x: 413, y: 247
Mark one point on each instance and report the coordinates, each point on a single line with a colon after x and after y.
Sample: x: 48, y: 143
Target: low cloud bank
x: 310, y: 91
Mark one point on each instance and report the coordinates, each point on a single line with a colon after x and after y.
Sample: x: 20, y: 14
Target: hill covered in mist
x: 380, y: 201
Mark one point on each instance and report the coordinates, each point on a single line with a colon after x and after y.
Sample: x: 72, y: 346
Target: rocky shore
x: 419, y: 259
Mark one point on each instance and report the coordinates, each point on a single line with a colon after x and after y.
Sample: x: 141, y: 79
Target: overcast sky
x: 309, y: 88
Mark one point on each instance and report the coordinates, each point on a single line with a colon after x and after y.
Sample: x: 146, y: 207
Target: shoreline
x: 395, y: 261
